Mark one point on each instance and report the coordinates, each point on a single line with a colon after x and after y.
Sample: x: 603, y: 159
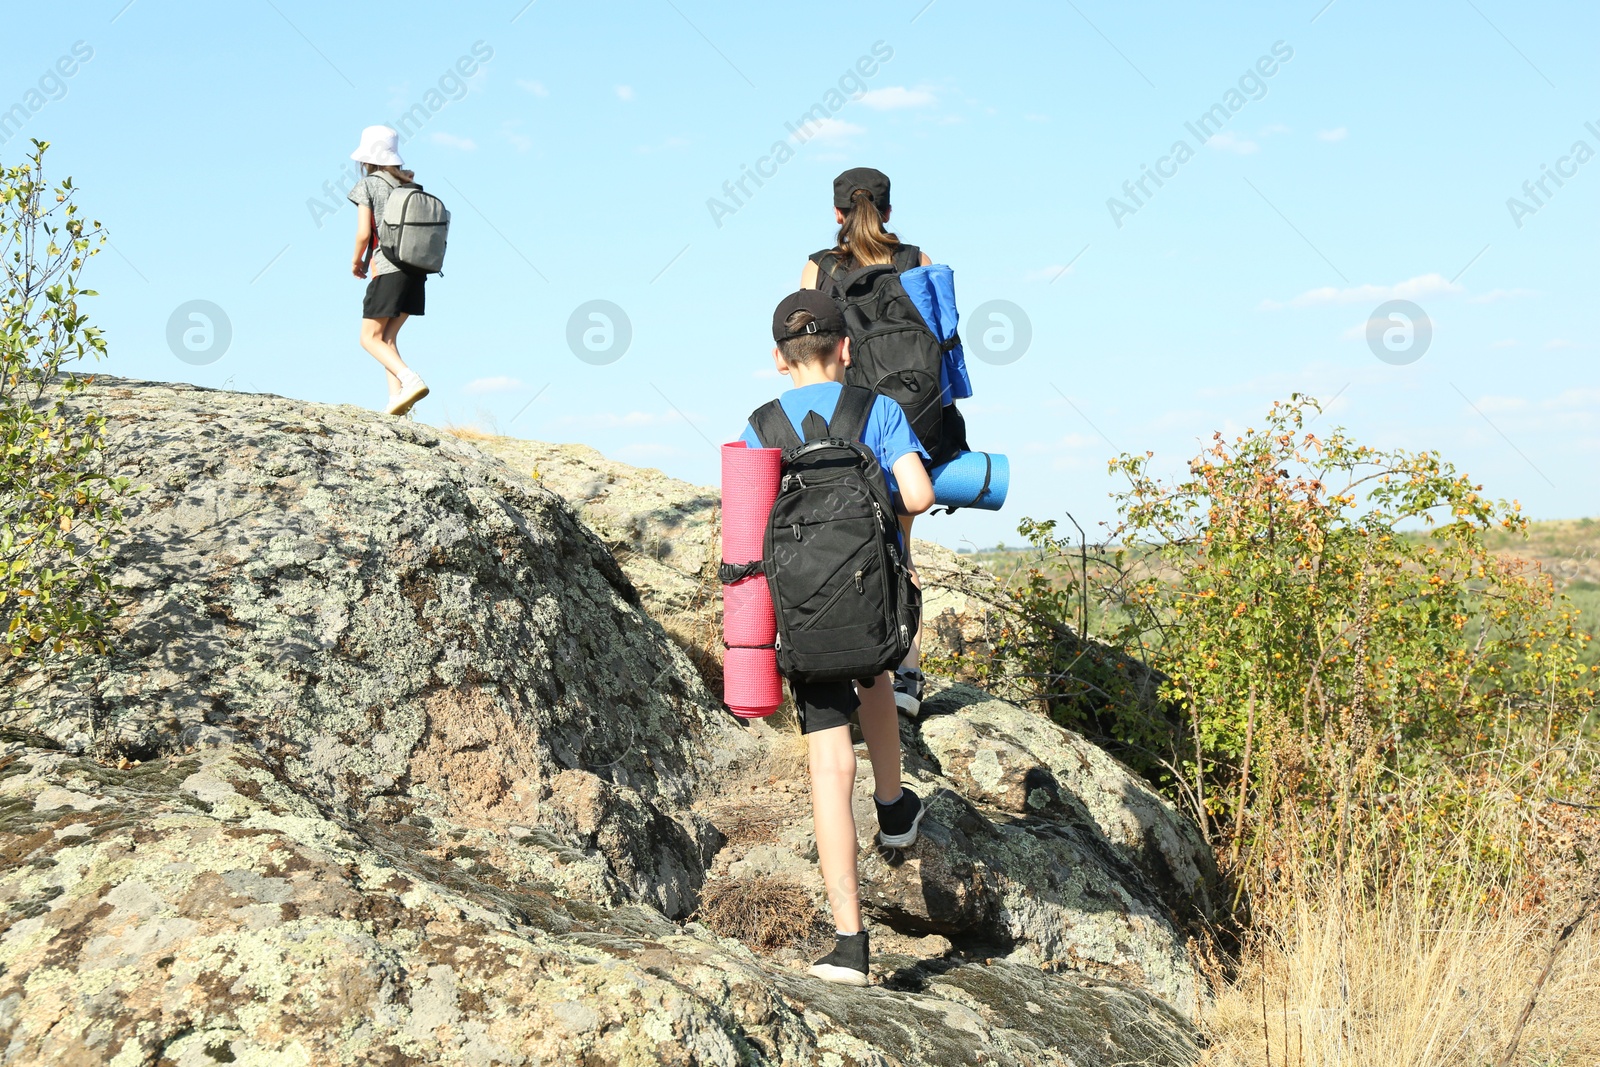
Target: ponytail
x: 862, y: 239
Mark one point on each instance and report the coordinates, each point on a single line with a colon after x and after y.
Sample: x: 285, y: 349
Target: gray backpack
x: 418, y: 225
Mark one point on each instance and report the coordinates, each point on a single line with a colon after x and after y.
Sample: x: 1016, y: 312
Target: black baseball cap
x: 875, y: 182
x: 825, y: 315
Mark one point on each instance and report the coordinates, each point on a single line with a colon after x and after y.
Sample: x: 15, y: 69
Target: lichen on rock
x: 392, y: 762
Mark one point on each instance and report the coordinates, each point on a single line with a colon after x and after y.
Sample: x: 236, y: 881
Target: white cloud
x: 624, y: 92
x: 826, y: 130
x: 1066, y: 443
x: 536, y: 88
x: 497, y: 384
x: 1273, y: 129
x: 1575, y: 398
x: 895, y: 97
x: 1338, y: 133
x: 1501, y: 405
x: 765, y: 374
x: 1560, y: 342
x: 1495, y: 295
x: 450, y: 140
x: 1424, y: 285
x: 1228, y: 141
x: 1036, y: 117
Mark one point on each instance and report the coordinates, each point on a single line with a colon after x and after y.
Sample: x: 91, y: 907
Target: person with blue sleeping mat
x: 900, y: 313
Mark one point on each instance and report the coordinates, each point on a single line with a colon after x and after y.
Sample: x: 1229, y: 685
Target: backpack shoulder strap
x: 907, y: 257
x: 851, y: 413
x: 773, y: 428
x: 828, y: 266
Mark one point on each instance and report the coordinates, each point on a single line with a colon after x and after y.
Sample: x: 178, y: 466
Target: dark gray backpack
x: 844, y: 601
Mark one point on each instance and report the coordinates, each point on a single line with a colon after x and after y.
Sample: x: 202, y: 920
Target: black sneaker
x: 908, y: 690
x: 847, y: 963
x: 897, y: 822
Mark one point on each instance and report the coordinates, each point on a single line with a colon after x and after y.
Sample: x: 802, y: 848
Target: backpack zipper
x: 859, y: 581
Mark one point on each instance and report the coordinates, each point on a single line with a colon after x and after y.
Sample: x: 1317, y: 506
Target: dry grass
x: 749, y: 822
x: 469, y: 432
x: 1363, y: 983
x: 789, y: 755
x: 764, y: 912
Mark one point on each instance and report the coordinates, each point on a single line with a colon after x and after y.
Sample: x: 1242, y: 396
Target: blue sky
x: 581, y: 157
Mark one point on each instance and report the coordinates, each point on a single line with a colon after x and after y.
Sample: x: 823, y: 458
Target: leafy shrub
x: 1335, y: 659
x: 58, y: 508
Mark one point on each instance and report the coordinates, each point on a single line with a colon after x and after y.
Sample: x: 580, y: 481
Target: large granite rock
x: 389, y: 615
x: 1025, y: 765
x: 390, y: 763
x: 202, y: 909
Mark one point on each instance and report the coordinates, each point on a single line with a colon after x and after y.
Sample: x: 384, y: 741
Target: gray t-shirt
x: 373, y: 191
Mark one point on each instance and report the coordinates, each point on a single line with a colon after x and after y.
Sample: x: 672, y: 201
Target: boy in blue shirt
x: 813, y: 351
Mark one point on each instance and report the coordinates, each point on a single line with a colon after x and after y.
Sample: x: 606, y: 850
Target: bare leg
x: 391, y: 330
x: 880, y: 728
x: 833, y: 777
x: 914, y: 657
x: 377, y: 337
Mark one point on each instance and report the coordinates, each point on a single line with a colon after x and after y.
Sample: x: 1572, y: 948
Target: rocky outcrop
x: 390, y: 763
x: 1044, y: 883
x: 393, y: 618
x: 1028, y: 767
x: 202, y: 909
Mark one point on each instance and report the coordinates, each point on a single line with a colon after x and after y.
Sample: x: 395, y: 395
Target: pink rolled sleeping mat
x: 751, y: 686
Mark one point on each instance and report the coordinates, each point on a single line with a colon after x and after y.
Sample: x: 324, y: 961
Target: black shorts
x: 824, y: 705
x: 396, y: 293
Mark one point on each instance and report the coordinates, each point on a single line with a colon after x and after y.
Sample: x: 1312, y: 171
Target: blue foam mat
x: 957, y: 483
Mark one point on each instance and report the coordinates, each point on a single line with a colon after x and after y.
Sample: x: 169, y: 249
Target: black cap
x: 825, y: 315
x: 875, y: 182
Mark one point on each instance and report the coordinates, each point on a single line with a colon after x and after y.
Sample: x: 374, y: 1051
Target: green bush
x: 60, y: 509
x: 1337, y: 659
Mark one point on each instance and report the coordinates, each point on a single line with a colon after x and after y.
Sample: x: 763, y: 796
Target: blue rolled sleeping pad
x: 972, y: 480
x: 933, y: 291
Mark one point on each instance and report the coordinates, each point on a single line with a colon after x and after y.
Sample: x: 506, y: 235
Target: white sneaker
x: 412, y: 389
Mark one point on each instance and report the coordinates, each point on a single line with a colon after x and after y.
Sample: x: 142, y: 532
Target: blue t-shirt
x: 888, y: 434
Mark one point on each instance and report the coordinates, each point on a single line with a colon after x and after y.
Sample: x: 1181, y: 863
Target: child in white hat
x: 393, y: 295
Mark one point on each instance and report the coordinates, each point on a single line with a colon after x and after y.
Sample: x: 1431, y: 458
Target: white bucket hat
x: 380, y: 145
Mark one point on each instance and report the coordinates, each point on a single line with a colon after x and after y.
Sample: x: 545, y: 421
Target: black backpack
x: 892, y: 350
x: 844, y: 601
